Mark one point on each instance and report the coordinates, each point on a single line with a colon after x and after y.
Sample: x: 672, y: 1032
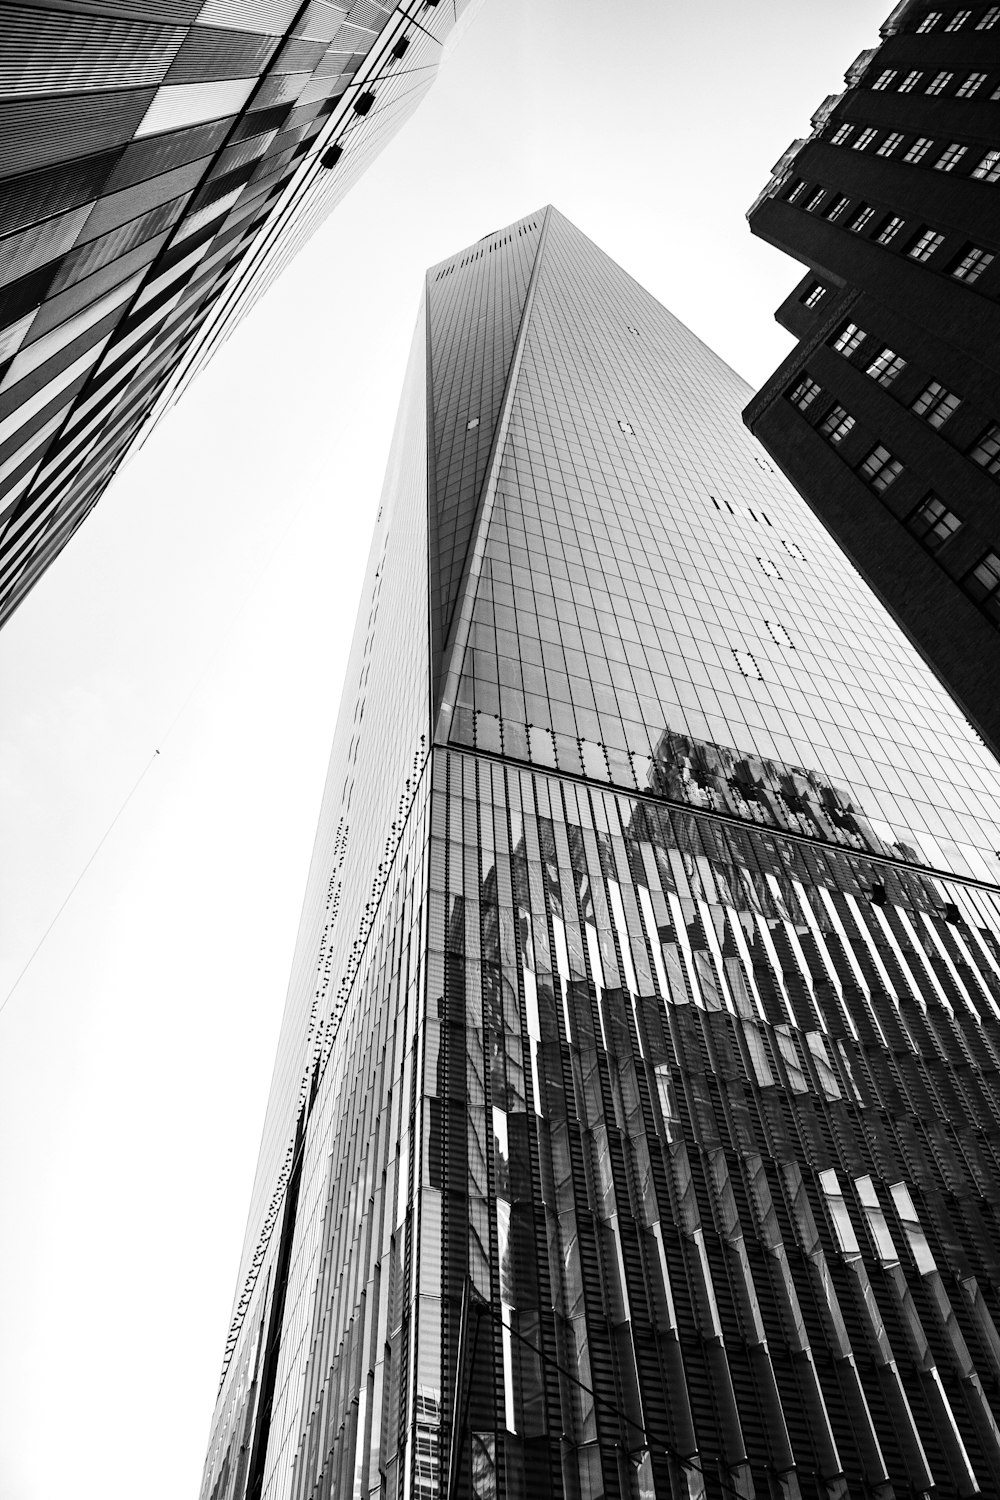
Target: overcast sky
x: 205, y: 611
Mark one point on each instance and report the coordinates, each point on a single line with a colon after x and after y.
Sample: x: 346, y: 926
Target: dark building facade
x: 886, y: 417
x: 634, y: 1126
x: 160, y: 161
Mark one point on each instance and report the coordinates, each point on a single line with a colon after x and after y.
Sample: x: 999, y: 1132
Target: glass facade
x: 633, y: 1131
x: 162, y: 161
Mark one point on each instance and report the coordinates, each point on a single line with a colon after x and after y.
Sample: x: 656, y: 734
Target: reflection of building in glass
x: 886, y: 415
x: 162, y: 161
x: 634, y: 1123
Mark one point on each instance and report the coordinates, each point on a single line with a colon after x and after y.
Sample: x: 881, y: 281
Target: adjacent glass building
x: 635, y: 1127
x: 160, y: 162
x: 886, y: 416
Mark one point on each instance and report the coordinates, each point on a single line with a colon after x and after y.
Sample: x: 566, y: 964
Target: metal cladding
x: 160, y: 162
x: 635, y: 1117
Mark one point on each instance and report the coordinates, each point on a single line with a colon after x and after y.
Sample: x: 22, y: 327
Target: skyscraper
x: 633, y: 1129
x: 886, y: 416
x: 161, y: 162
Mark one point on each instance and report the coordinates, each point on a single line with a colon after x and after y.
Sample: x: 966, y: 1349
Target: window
x: 768, y: 567
x: 836, y: 425
x: 988, y: 169
x: 890, y: 143
x: 842, y: 134
x: 815, y: 200
x: 930, y: 20
x: 983, y: 585
x: 884, y: 79
x: 932, y: 522
x: 863, y: 217
x: 626, y: 427
x: 795, y: 191
x: 880, y: 469
x: 848, y: 339
x: 747, y: 664
x: 950, y: 157
x: 939, y: 83
x: 925, y: 244
x: 989, y: 20
x: 889, y: 229
x: 865, y: 139
x: 970, y: 86
x: 837, y: 208
x: 886, y: 366
x: 919, y: 149
x: 804, y: 393
x: 971, y: 264
x: 813, y: 296
x: 958, y: 20
x: 911, y: 80
x: 985, y: 451
x: 935, y: 404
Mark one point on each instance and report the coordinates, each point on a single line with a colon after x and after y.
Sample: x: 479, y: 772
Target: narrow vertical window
x: 842, y: 135
x: 958, y: 20
x: 911, y: 80
x: 889, y: 230
x: 862, y: 218
x: 939, y: 83
x: 890, y: 143
x: 865, y: 139
x: 929, y: 21
x: 813, y: 296
x: 884, y: 79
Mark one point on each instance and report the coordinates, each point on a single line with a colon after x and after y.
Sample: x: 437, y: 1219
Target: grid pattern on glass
x: 971, y: 264
x: 837, y: 207
x: 936, y: 404
x: 970, y: 85
x: 888, y: 146
x: 885, y: 367
x: 814, y: 296
x: 983, y: 585
x: 939, y: 82
x: 842, y: 135
x: 932, y: 522
x: 865, y: 139
x: 862, y: 218
x: 958, y: 20
x: 884, y: 79
x: 989, y: 19
x: 985, y: 451
x: 929, y: 21
x: 911, y: 80
x: 631, y: 1024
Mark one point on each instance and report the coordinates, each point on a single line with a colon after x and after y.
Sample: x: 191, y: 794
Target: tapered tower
x: 633, y: 1129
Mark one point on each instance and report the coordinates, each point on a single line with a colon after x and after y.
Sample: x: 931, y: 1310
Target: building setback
x: 634, y: 1123
x: 886, y: 416
x: 160, y: 162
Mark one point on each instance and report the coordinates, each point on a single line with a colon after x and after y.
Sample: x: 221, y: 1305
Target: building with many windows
x: 634, y: 1126
x: 886, y: 416
x: 160, y: 162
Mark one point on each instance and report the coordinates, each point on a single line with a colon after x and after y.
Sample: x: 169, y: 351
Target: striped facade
x: 160, y: 162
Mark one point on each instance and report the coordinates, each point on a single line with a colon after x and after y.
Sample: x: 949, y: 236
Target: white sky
x: 205, y: 610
